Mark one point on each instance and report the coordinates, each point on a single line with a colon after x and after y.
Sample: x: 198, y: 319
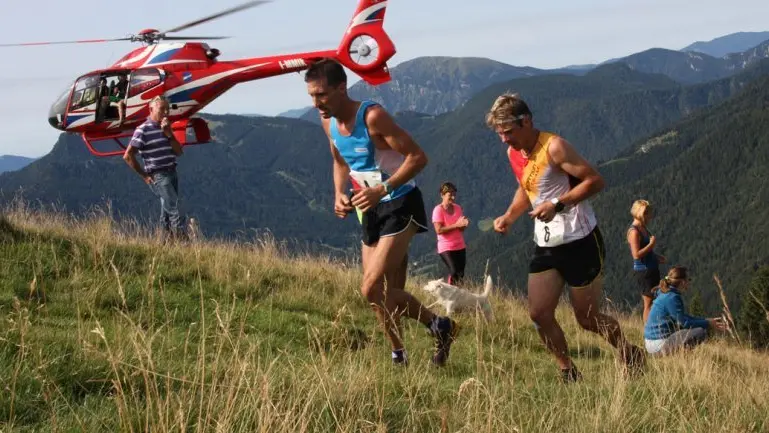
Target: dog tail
x: 487, y: 288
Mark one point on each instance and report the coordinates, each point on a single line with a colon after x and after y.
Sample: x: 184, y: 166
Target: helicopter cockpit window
x: 85, y: 93
x: 143, y: 80
x: 58, y: 108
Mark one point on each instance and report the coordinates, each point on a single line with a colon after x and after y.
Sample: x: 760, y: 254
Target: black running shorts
x: 647, y: 280
x: 392, y: 217
x: 579, y: 262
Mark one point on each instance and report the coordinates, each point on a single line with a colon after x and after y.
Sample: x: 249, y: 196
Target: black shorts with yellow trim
x: 393, y: 217
x: 579, y: 262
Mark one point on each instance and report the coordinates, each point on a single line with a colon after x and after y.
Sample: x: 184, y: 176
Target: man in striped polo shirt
x: 158, y: 147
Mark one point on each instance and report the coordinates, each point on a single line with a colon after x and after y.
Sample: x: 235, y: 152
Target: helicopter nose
x: 56, y: 123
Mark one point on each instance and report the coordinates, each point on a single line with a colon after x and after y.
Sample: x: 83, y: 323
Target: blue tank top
x: 649, y: 261
x: 364, y: 159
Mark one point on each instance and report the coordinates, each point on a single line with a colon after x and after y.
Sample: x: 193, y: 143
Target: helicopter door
x: 121, y: 87
x: 80, y: 105
x: 112, y: 91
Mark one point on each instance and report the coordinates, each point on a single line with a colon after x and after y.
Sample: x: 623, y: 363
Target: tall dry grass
x: 105, y: 329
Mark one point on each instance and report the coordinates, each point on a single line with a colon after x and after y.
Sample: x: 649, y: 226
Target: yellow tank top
x: 543, y: 181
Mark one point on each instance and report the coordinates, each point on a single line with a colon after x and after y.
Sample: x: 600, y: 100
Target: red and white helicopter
x: 190, y: 75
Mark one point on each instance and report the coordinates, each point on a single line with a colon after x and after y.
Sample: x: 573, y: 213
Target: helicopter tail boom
x: 365, y: 49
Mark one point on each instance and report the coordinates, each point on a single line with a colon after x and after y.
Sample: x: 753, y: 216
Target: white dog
x: 456, y: 299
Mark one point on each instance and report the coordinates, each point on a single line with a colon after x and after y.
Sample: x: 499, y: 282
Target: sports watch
x: 387, y: 187
x: 558, y: 205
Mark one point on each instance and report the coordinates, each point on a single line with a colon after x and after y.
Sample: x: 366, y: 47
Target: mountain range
x: 732, y: 43
x: 13, y: 163
x: 435, y: 85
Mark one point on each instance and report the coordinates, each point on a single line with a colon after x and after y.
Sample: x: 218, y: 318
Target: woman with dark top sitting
x: 669, y: 328
x: 646, y: 270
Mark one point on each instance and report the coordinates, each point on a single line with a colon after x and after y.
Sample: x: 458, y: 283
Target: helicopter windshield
x: 56, y: 113
x: 85, y: 92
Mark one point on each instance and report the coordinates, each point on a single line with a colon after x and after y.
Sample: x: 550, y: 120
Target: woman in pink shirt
x: 450, y: 222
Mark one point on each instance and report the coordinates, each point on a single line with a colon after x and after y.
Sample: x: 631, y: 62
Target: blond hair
x: 507, y: 108
x: 676, y: 275
x: 639, y: 209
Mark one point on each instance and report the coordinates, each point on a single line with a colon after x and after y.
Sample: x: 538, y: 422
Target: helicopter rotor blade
x: 217, y: 15
x: 158, y: 35
x: 193, y: 38
x: 83, y: 41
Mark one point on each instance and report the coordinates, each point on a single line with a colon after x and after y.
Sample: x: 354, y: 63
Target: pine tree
x: 695, y: 304
x: 754, y: 317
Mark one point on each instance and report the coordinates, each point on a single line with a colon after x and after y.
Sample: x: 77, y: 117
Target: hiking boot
x: 569, y: 375
x: 633, y: 359
x: 445, y: 331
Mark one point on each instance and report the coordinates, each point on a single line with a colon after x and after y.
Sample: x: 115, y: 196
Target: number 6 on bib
x: 549, y: 234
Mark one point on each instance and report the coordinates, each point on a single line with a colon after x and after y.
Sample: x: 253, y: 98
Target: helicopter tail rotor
x: 366, y: 47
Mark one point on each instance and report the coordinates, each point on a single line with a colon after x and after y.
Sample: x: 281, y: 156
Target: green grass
x: 103, y: 331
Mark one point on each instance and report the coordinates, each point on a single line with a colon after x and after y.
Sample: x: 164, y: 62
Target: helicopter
x: 190, y: 76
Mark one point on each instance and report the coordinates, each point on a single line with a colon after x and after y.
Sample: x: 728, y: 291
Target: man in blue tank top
x: 380, y: 160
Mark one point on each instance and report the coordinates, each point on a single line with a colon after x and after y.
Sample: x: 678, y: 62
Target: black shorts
x: 579, y: 262
x: 647, y: 280
x: 392, y: 217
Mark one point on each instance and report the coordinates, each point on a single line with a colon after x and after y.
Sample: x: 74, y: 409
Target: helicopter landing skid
x: 200, y: 135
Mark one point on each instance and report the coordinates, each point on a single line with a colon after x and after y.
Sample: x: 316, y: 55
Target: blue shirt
x: 362, y: 156
x: 154, y: 147
x: 667, y: 316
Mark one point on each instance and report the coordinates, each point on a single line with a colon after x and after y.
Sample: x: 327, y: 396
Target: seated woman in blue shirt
x: 669, y: 328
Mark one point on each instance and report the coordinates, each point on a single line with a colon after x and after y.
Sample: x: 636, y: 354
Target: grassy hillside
x: 108, y: 331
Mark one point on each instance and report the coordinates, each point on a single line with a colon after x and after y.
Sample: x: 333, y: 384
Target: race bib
x: 551, y: 233
x: 366, y: 179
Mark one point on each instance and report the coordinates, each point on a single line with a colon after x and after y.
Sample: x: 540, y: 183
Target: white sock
x: 400, y: 353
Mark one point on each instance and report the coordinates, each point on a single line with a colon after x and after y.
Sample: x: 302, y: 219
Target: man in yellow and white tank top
x: 555, y: 181
x: 545, y: 182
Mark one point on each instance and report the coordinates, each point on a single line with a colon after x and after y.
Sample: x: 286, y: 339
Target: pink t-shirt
x: 453, y: 240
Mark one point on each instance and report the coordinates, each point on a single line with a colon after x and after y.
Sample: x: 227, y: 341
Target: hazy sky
x: 544, y: 34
